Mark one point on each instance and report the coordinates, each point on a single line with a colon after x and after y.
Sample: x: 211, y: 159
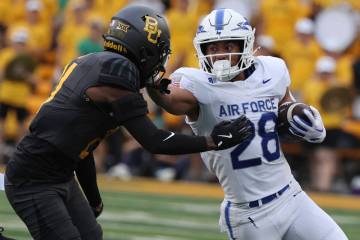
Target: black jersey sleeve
x: 120, y: 72
x: 160, y: 141
x: 129, y: 107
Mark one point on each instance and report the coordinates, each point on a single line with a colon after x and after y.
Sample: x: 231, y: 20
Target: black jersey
x: 69, y: 122
x: 69, y: 119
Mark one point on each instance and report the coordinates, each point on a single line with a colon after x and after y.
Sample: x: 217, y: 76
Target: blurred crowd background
x: 319, y: 40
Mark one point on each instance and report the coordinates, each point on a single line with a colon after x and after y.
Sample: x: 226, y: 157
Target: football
x: 286, y: 113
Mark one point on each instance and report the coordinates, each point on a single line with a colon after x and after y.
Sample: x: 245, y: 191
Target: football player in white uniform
x: 262, y: 199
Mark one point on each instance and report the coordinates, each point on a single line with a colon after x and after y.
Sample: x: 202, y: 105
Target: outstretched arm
x: 165, y: 142
x: 178, y: 102
x: 129, y: 109
x: 224, y: 135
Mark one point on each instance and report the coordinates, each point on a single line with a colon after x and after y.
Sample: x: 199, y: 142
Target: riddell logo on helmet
x: 117, y: 47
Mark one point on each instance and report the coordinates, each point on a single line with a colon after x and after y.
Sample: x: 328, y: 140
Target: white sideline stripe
x: 184, y: 207
x: 134, y: 216
x: 113, y: 235
x: 137, y: 231
x: 14, y: 223
x: 157, y: 238
x: 196, y: 208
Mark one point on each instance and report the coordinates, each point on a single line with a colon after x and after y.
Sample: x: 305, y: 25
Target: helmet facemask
x: 158, y: 71
x: 233, y: 27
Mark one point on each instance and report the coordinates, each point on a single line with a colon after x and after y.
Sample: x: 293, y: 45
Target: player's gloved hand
x: 230, y: 133
x: 313, y: 130
x: 97, y: 210
x: 163, y: 85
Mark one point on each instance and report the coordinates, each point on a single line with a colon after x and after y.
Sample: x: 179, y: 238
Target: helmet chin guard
x: 225, y: 25
x: 223, y: 70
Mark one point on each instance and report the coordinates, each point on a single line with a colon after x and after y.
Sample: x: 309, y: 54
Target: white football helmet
x: 223, y: 25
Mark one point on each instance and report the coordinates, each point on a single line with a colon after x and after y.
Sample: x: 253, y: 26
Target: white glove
x: 315, y: 132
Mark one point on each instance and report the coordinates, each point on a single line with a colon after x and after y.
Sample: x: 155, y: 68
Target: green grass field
x: 145, y: 216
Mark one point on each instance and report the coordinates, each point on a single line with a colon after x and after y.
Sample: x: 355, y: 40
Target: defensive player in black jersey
x: 97, y: 94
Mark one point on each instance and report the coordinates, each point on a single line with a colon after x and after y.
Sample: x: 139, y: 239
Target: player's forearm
x: 178, y: 144
x: 164, y: 100
x: 178, y: 102
x: 160, y: 141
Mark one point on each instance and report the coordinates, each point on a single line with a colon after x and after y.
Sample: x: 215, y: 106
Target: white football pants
x: 291, y: 216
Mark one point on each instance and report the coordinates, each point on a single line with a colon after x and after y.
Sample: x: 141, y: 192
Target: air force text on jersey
x: 263, y: 105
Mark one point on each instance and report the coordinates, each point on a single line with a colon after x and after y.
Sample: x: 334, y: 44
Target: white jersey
x: 255, y: 168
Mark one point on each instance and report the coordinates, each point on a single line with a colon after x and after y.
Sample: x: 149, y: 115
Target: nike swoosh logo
x: 226, y: 136
x: 170, y: 136
x: 265, y: 81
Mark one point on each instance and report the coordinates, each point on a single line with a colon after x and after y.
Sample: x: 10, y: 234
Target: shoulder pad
x: 276, y: 69
x: 117, y: 70
x: 189, y: 73
x: 276, y: 64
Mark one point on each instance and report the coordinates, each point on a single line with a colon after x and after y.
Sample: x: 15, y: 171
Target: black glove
x: 227, y: 134
x: 98, y: 209
x: 163, y: 85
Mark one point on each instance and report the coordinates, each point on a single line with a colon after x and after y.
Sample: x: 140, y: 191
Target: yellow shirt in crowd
x: 301, y: 61
x: 329, y: 3
x: 182, y: 30
x: 279, y: 18
x: 39, y: 39
x: 313, y: 92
